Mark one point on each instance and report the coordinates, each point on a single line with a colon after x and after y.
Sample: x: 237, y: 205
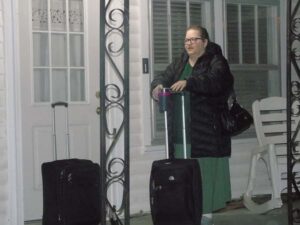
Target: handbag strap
x: 232, y: 94
x: 231, y: 98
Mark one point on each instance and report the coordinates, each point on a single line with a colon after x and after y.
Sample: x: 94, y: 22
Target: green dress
x: 215, y: 171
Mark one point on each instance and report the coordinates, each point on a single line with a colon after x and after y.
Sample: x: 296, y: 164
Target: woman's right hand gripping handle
x: 156, y: 91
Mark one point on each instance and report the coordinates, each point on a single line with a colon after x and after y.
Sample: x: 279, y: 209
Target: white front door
x: 59, y: 61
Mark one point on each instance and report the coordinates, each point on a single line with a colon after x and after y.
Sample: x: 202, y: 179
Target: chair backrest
x: 270, y: 117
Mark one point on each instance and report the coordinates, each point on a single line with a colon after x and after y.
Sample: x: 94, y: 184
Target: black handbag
x: 236, y: 119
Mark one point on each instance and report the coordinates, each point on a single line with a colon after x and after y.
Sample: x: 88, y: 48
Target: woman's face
x: 194, y: 44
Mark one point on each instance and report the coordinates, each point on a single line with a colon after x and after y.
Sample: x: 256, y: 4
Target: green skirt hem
x: 216, y: 188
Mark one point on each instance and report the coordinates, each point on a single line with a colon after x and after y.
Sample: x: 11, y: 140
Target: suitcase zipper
x: 60, y: 202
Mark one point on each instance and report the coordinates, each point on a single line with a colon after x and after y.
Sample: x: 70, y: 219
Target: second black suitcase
x: 175, y: 186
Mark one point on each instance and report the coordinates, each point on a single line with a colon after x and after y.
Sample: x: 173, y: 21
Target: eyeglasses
x: 191, y: 40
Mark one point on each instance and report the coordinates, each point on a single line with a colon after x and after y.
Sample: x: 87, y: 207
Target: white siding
x: 4, y: 211
x: 138, y: 197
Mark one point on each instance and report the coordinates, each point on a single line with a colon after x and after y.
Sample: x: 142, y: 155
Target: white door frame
x: 14, y: 142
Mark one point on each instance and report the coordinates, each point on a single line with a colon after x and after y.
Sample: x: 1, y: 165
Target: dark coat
x: 209, y: 85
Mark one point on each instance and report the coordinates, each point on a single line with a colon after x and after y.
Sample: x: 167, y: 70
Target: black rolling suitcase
x: 71, y: 188
x: 175, y: 185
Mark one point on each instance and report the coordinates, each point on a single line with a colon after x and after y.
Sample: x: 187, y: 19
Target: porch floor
x: 235, y: 214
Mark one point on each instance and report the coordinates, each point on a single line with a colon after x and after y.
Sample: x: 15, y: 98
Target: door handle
x: 97, y: 94
x: 98, y: 110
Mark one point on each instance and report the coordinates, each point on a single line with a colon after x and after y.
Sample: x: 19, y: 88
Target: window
x: 170, y: 18
x: 252, y: 52
x: 58, y: 51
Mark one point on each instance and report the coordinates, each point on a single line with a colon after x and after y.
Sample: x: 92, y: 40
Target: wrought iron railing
x: 293, y: 104
x: 114, y: 107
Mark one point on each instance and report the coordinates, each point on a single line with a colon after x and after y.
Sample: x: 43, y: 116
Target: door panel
x: 59, y: 61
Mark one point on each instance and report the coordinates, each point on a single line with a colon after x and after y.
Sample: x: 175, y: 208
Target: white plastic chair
x: 270, y: 125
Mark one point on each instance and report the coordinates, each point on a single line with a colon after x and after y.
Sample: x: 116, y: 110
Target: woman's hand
x: 179, y: 86
x: 156, y: 91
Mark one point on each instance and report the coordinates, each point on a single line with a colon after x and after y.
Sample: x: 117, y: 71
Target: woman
x: 203, y: 72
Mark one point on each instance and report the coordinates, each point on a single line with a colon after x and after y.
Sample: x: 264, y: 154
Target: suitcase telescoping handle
x: 54, y: 105
x: 65, y: 104
x: 164, y: 96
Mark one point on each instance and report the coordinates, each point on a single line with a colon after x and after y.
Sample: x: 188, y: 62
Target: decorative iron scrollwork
x: 293, y: 106
x: 114, y: 104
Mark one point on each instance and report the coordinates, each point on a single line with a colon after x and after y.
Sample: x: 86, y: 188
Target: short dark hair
x: 202, y: 30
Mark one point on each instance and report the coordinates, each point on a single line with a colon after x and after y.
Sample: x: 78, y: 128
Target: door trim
x: 14, y: 142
